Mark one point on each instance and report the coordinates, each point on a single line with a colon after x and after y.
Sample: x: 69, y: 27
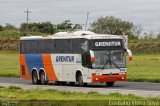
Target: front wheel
x: 80, y: 80
x: 71, y: 83
x: 109, y: 84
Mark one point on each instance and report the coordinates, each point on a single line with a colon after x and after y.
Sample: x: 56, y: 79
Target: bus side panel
x: 24, y: 72
x: 48, y: 66
x: 34, y: 61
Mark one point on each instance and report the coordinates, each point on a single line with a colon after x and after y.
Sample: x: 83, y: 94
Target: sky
x: 141, y: 12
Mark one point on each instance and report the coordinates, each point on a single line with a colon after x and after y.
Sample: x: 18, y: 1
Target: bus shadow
x: 97, y: 85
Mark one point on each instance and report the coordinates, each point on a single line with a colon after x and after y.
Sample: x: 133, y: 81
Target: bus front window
x: 109, y: 59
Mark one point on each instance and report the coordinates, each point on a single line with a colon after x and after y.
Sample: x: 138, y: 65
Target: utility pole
x: 86, y: 21
x: 27, y: 12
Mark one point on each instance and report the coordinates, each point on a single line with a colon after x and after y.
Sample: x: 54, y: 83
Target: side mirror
x: 88, y: 58
x: 129, y: 54
x: 91, y: 56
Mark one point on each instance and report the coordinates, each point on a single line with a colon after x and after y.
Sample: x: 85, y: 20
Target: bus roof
x: 72, y: 35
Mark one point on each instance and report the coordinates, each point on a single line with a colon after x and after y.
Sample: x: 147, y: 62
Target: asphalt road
x: 145, y: 89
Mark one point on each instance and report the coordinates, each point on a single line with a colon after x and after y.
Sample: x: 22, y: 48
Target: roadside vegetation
x: 16, y: 93
x: 144, y: 68
x: 9, y: 64
x: 50, y: 97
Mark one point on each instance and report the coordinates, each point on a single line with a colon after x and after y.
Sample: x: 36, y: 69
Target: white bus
x: 81, y: 56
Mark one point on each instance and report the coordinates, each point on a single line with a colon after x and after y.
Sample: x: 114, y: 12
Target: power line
x: 27, y: 12
x: 86, y: 21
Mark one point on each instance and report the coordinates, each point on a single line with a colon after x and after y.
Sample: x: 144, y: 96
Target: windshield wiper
x: 110, y: 61
x: 115, y: 64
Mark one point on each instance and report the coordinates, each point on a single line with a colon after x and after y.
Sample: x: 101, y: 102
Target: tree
x: 9, y: 27
x: 64, y: 26
x: 44, y: 27
x: 23, y: 27
x: 77, y: 27
x: 68, y: 26
x: 1, y: 28
x: 114, y: 26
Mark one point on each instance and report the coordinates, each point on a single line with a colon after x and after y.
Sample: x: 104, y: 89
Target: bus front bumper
x: 108, y: 78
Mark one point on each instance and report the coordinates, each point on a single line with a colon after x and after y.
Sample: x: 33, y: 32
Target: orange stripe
x: 48, y: 66
x: 23, y: 63
x: 108, y: 78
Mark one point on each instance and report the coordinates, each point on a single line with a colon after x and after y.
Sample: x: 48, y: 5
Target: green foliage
x: 9, y: 64
x: 49, y: 28
x: 9, y: 27
x: 158, y: 36
x: 67, y: 26
x: 114, y: 26
x: 144, y: 68
x: 44, y: 27
x: 10, y: 34
x: 1, y: 28
x: 37, y: 94
x: 145, y: 46
x: 14, y: 88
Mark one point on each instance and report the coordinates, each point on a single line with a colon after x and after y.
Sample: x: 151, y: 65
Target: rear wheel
x: 42, y: 78
x: 56, y: 83
x: 109, y: 84
x: 80, y: 80
x: 35, y: 78
x: 63, y: 83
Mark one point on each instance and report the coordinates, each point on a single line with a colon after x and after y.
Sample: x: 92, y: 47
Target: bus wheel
x: 71, y: 83
x: 35, y: 78
x: 109, y: 84
x: 63, y: 83
x: 56, y: 83
x: 80, y: 80
x: 42, y: 78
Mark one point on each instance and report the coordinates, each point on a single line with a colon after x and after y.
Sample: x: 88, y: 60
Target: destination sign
x: 107, y: 44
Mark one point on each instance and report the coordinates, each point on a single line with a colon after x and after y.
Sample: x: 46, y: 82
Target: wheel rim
x: 42, y: 77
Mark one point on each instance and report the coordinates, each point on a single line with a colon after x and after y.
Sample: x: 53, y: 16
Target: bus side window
x: 33, y: 46
x: 76, y: 46
x: 59, y: 46
x: 26, y: 47
x: 22, y: 46
x: 67, y: 46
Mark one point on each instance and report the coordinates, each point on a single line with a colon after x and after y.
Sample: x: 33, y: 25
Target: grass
x: 60, y: 98
x: 37, y: 94
x: 142, y: 68
x: 9, y: 64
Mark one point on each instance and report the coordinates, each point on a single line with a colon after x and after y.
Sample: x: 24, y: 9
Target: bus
x: 74, y: 57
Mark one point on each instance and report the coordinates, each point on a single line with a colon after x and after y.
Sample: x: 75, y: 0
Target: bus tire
x: 71, y: 83
x: 42, y: 78
x: 109, y: 84
x: 63, y: 83
x: 35, y: 78
x: 56, y: 83
x: 80, y: 80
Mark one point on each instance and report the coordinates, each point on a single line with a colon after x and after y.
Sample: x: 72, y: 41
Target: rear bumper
x: 108, y: 78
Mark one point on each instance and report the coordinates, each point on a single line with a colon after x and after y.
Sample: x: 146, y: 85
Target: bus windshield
x: 109, y: 59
